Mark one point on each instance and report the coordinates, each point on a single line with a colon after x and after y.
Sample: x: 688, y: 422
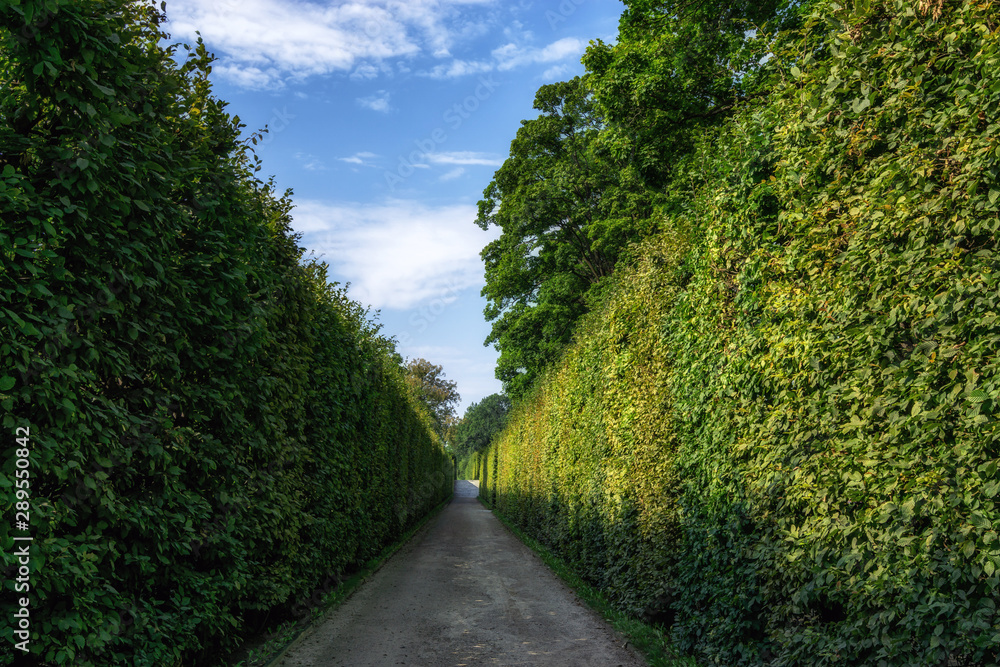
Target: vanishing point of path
x: 463, y: 591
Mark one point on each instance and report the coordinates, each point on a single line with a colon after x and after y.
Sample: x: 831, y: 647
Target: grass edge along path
x: 280, y: 639
x: 651, y: 641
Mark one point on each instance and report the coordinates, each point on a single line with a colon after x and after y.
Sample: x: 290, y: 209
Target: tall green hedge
x: 215, y: 431
x: 779, y: 437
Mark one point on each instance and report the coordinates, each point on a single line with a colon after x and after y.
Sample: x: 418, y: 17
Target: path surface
x: 463, y: 591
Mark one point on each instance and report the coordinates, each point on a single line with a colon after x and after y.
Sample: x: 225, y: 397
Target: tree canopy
x: 677, y: 67
x: 438, y: 395
x: 559, y: 237
x: 594, y: 173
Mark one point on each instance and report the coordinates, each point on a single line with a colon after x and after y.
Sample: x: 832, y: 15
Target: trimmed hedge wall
x: 779, y: 435
x: 215, y: 431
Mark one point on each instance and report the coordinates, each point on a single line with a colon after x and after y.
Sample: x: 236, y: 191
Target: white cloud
x: 264, y: 44
x: 517, y: 31
x: 253, y: 78
x: 453, y: 174
x: 310, y: 162
x: 397, y: 254
x: 511, y: 55
x: 361, y: 158
x: 283, y: 39
x: 457, y: 68
x: 466, y: 158
x: 365, y: 71
x: 556, y: 73
x: 377, y: 102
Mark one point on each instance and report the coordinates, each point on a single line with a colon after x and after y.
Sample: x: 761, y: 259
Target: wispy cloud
x: 511, y: 55
x: 250, y: 77
x: 263, y: 43
x: 397, y: 254
x: 310, y: 162
x: 457, y: 68
x: 556, y: 73
x: 377, y: 102
x: 453, y: 174
x: 362, y: 159
x: 365, y: 71
x: 465, y: 158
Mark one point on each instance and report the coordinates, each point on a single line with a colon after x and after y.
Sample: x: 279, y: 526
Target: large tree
x: 560, y: 234
x: 597, y: 169
x: 676, y: 68
x: 440, y: 396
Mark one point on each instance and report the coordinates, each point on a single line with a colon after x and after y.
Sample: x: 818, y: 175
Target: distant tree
x: 437, y: 394
x: 448, y: 434
x: 481, y: 422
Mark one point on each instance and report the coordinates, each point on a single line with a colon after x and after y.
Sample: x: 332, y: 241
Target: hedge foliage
x: 215, y: 431
x: 779, y: 436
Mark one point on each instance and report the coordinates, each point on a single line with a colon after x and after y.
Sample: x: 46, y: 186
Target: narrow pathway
x: 463, y: 591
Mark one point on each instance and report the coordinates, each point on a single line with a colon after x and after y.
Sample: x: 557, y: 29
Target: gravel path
x: 463, y: 591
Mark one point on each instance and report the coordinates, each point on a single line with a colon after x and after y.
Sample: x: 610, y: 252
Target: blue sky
x: 388, y: 118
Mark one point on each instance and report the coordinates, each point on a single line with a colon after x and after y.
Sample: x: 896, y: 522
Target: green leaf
x: 7, y: 383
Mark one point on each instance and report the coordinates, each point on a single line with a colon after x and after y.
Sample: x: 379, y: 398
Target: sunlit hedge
x: 779, y: 437
x: 215, y: 432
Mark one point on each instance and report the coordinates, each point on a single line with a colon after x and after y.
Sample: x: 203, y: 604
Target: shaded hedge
x: 779, y: 436
x: 216, y: 431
